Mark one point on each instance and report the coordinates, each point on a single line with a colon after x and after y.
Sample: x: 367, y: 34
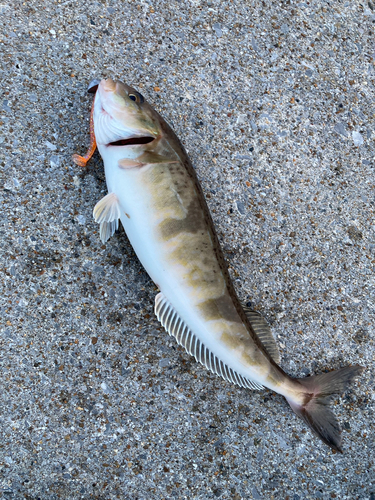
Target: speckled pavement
x: 274, y: 102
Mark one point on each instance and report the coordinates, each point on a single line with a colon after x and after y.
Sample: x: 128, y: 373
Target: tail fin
x: 315, y: 411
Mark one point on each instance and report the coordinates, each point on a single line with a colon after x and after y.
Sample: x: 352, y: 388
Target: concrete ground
x: 274, y: 101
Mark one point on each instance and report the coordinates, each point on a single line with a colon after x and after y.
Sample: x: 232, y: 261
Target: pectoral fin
x: 151, y: 157
x: 126, y: 163
x: 147, y: 158
x: 107, y: 213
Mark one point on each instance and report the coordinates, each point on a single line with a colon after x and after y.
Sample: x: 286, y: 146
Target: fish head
x: 124, y: 122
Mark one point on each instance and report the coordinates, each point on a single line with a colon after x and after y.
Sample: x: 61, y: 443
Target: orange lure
x: 82, y: 160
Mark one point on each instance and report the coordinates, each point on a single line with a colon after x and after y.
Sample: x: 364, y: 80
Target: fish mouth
x: 93, y: 86
x: 132, y: 141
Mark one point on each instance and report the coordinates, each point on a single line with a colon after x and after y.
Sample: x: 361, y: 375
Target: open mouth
x: 132, y: 141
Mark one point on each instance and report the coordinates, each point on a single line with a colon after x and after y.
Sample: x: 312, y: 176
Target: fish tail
x: 315, y: 411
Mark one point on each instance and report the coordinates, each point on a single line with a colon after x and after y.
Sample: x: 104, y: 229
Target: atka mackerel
x: 154, y: 191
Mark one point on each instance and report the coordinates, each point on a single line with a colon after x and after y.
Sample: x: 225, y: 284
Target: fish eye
x: 137, y: 97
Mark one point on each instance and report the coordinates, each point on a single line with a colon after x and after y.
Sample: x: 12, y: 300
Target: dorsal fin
x: 262, y: 329
x: 176, y: 327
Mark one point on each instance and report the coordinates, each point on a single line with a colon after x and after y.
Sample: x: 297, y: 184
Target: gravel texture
x: 275, y: 104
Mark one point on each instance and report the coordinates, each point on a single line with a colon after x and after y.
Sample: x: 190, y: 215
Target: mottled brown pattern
x: 220, y: 308
x: 202, y: 273
x: 158, y: 179
x: 184, y: 226
x: 193, y: 222
x: 232, y: 341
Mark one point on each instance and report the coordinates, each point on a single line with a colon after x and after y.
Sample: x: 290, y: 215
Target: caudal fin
x: 315, y: 411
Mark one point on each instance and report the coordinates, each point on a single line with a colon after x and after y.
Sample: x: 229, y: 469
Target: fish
x: 154, y: 191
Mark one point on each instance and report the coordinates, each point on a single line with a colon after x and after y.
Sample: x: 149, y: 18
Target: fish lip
x: 135, y: 140
x: 93, y: 86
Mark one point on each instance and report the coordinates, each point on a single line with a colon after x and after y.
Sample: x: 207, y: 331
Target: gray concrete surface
x: 275, y: 104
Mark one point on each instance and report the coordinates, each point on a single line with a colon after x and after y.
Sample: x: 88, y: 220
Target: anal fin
x: 176, y: 327
x: 107, y: 213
